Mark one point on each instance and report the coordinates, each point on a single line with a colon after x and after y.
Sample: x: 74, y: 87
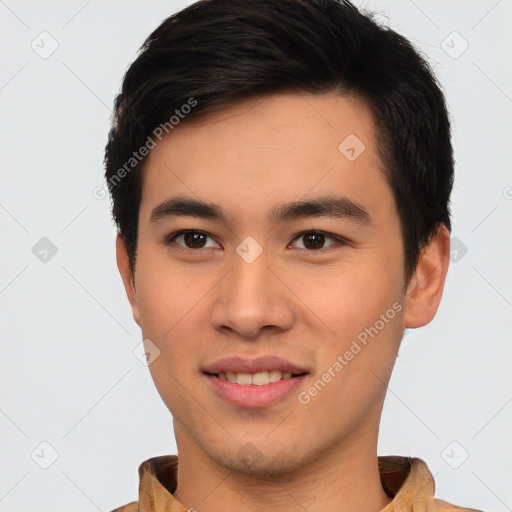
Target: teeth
x: 275, y: 376
x: 256, y: 379
x: 243, y: 378
x: 260, y: 379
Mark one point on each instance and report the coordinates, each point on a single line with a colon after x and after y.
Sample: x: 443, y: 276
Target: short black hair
x: 216, y: 52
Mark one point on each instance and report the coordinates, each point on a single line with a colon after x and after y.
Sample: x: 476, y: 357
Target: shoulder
x: 444, y: 506
x: 131, y: 507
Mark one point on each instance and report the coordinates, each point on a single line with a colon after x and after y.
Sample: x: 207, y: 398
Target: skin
x: 304, y: 304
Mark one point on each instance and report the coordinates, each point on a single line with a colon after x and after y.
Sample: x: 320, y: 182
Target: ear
x: 425, y: 288
x: 123, y: 264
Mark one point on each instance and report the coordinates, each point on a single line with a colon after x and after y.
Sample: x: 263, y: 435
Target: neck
x: 344, y: 478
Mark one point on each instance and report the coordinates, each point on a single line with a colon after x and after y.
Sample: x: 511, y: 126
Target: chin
x: 249, y: 453
x: 250, y: 460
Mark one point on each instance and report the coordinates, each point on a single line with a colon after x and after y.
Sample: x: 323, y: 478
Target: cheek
x: 173, y: 309
x: 364, y: 310
x: 350, y: 297
x: 164, y: 293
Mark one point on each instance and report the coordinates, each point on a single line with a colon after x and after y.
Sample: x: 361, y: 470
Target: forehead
x: 270, y: 149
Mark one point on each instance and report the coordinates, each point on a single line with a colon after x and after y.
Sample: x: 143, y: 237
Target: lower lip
x: 252, y: 396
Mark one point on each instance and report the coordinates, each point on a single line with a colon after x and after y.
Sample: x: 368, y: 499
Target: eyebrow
x: 337, y: 207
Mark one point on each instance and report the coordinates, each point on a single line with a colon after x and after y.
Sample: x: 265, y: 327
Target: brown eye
x: 194, y: 240
x: 315, y: 240
x: 191, y: 240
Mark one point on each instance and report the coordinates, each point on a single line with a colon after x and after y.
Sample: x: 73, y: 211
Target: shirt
x: 405, y: 479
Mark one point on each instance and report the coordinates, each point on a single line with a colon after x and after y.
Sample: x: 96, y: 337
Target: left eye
x: 315, y: 240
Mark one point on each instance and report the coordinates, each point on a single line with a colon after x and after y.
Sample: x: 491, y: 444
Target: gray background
x: 69, y: 377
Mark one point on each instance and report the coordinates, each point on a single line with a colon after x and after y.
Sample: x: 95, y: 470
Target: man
x: 280, y: 174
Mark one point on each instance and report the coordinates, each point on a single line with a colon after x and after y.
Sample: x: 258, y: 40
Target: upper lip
x: 236, y: 364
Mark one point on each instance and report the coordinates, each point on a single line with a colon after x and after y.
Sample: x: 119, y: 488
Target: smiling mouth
x: 256, y: 379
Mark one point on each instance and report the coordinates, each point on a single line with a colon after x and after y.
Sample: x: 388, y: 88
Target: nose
x: 252, y: 300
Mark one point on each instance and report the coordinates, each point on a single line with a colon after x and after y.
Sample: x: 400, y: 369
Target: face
x: 283, y: 255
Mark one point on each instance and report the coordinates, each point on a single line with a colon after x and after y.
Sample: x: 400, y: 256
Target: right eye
x: 190, y: 240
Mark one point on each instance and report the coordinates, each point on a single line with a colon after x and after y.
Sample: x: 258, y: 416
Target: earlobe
x: 426, y: 286
x: 123, y: 264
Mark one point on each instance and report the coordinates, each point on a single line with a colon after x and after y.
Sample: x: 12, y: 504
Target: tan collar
x: 405, y: 479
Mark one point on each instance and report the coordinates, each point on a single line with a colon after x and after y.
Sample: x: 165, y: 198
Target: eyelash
x: 339, y: 240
